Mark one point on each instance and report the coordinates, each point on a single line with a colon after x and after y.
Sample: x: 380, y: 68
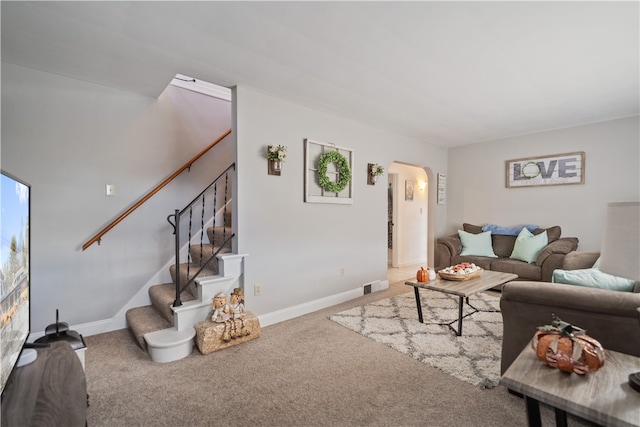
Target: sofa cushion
x: 503, y: 245
x: 553, y: 233
x: 470, y: 228
x: 476, y: 244
x: 593, y: 278
x: 528, y: 246
x: 523, y: 269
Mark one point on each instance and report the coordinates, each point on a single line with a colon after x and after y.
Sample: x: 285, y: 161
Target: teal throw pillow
x: 528, y: 246
x: 476, y: 244
x: 593, y: 278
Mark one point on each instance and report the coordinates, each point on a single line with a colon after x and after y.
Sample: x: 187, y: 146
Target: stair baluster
x: 176, y: 225
x: 224, y: 216
x: 202, y: 228
x: 176, y: 232
x: 166, y: 327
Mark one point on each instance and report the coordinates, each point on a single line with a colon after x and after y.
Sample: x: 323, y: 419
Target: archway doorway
x: 408, y: 215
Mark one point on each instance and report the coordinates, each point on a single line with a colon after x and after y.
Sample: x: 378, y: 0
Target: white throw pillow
x: 593, y: 278
x: 528, y: 246
x: 476, y: 244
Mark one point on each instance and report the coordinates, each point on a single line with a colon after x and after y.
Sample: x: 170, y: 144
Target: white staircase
x: 165, y: 330
x: 176, y: 342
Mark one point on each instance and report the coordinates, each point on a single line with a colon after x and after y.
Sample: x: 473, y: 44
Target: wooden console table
x: 604, y: 397
x: 50, y: 391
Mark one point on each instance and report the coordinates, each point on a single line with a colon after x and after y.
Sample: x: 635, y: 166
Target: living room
x: 68, y: 137
x: 114, y: 132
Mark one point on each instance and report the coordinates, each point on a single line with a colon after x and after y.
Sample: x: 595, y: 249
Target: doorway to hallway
x: 407, y: 215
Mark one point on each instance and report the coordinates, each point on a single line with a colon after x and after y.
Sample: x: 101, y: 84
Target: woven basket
x: 460, y: 277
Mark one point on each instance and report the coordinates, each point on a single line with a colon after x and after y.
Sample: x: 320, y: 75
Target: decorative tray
x: 460, y: 277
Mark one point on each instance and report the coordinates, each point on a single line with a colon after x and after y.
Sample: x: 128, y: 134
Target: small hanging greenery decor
x: 342, y: 166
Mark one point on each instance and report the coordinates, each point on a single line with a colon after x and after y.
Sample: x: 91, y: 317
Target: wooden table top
x: 487, y: 280
x: 603, y: 397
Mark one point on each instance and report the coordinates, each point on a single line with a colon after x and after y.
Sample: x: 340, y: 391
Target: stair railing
x: 218, y: 208
x: 187, y: 165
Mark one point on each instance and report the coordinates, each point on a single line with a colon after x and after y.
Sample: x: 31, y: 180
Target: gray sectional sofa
x: 448, y: 252
x: 611, y: 317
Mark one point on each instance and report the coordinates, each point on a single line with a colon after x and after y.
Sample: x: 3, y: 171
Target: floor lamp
x: 620, y: 253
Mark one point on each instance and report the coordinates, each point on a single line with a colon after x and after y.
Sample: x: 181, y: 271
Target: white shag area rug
x: 473, y: 357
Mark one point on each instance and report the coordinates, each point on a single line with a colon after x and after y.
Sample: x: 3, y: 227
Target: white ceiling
x: 448, y: 73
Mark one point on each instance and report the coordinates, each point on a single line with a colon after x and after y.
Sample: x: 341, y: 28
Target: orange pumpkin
x: 422, y: 275
x: 567, y: 347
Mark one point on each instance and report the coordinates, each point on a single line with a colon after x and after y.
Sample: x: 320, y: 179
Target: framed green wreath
x: 342, y: 166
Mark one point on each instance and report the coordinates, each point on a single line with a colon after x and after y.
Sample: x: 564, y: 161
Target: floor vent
x: 367, y: 289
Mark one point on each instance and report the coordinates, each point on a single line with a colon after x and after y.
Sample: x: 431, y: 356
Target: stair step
x: 162, y: 298
x: 217, y: 235
x: 167, y: 332
x: 210, y: 270
x: 200, y: 254
x: 142, y: 320
x: 170, y: 344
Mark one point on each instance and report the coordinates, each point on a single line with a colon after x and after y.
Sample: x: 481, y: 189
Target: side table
x: 603, y: 397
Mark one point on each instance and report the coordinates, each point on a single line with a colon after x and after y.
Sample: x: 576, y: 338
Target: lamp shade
x: 620, y: 252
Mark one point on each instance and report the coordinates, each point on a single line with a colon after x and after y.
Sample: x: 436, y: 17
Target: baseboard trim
x: 84, y: 329
x: 108, y: 325
x: 318, y: 304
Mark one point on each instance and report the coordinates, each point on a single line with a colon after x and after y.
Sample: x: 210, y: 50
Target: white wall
x: 296, y: 249
x: 476, y: 181
x: 69, y: 138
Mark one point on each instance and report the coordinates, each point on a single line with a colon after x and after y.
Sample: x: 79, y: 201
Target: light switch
x: 111, y: 190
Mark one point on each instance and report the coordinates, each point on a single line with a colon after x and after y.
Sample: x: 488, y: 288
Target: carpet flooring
x: 473, y: 357
x: 307, y: 371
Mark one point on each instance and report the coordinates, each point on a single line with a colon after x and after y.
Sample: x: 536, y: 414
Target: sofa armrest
x: 561, y: 246
x: 578, y: 260
x: 446, y: 248
x: 611, y: 317
x: 553, y: 255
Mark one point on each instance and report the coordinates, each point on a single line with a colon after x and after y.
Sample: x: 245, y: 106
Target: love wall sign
x: 559, y: 169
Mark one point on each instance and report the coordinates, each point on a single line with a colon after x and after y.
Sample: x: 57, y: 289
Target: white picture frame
x: 313, y: 192
x: 442, y: 189
x: 557, y: 169
x: 409, y: 189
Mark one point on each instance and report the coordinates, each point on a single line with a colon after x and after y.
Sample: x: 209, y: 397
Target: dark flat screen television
x: 15, y: 321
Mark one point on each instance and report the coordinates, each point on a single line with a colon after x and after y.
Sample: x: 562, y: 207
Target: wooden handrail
x: 139, y: 203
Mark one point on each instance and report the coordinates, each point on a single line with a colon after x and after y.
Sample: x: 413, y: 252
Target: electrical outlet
x: 257, y: 289
x: 341, y: 271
